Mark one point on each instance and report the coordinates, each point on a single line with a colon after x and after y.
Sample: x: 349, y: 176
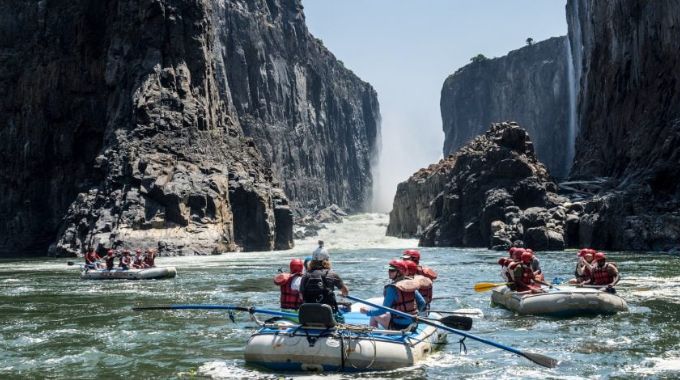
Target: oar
x: 539, y: 359
x: 486, y: 286
x: 551, y: 286
x: 217, y: 307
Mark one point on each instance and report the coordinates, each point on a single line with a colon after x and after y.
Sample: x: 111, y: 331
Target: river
x: 57, y: 326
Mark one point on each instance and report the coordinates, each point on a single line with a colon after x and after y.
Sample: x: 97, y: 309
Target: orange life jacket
x: 406, y: 296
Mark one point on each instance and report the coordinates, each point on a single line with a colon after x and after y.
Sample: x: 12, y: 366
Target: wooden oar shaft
x: 536, y: 358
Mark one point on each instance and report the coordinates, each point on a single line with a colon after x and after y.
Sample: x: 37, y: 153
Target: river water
x: 55, y: 325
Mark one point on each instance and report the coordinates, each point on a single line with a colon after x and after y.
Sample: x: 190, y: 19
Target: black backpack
x: 318, y: 289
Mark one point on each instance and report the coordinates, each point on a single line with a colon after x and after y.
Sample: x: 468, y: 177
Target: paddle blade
x: 486, y: 286
x: 542, y: 360
x: 457, y: 322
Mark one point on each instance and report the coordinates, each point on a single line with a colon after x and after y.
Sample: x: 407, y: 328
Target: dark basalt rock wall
x: 491, y: 193
x: 313, y: 120
x: 529, y: 85
x: 115, y: 132
x: 628, y: 54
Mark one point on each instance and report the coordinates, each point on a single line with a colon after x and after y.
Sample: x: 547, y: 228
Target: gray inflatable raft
x: 562, y: 301
x: 130, y: 274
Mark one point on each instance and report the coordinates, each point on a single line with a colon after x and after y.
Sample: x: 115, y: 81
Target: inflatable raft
x: 130, y: 274
x: 562, y: 301
x: 350, y: 347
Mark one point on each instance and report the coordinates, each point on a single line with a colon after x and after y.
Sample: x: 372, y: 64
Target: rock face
x: 627, y: 53
x: 313, y: 120
x: 529, y: 85
x: 491, y: 193
x: 123, y: 123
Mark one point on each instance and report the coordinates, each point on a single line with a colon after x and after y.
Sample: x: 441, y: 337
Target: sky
x: 406, y: 49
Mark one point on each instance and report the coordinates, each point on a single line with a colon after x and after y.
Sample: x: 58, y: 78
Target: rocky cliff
x: 491, y: 193
x: 128, y: 123
x: 313, y: 120
x: 627, y: 53
x: 529, y: 85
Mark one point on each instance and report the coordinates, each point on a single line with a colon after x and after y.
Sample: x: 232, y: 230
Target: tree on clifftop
x: 530, y: 41
x: 479, y: 58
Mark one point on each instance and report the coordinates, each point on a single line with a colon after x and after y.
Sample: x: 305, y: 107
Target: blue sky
x: 406, y: 49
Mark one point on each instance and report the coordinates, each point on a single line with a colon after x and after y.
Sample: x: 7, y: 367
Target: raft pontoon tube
x: 130, y: 274
x: 320, y: 344
x: 565, y: 301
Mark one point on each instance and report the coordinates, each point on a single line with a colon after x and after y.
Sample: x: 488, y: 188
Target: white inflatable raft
x: 130, y: 274
x: 350, y: 347
x: 562, y: 301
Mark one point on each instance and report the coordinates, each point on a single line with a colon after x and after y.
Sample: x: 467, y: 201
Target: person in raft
x: 524, y: 276
x: 150, y: 258
x: 319, y: 283
x: 291, y: 299
x: 125, y: 260
x: 535, y: 265
x: 603, y: 273
x: 138, y: 260
x: 110, y: 256
x: 401, y: 294
x: 583, y: 266
x: 414, y: 255
x: 424, y: 283
x: 92, y: 259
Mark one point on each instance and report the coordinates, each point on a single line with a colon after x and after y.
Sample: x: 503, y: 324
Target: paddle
x: 539, y: 359
x: 216, y: 307
x: 486, y: 286
x: 457, y: 322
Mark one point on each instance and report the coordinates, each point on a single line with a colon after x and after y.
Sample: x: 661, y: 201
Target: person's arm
x: 390, y: 297
x: 536, y: 266
x: 615, y: 275
x: 338, y: 283
x: 420, y: 300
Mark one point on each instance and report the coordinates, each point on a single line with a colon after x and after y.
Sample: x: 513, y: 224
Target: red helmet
x: 138, y: 250
x: 296, y: 266
x: 109, y: 252
x: 518, y: 253
x: 600, y: 256
x: 411, y: 267
x: 399, y: 265
x: 527, y: 256
x: 411, y: 254
x: 502, y: 261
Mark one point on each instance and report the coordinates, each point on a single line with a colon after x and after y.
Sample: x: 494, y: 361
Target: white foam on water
x: 666, y: 365
x: 361, y: 231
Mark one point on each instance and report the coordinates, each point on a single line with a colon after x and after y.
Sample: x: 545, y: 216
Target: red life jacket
x: 600, y: 275
x: 406, y: 296
x: 524, y: 283
x: 91, y: 257
x: 290, y: 299
x: 425, y: 288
